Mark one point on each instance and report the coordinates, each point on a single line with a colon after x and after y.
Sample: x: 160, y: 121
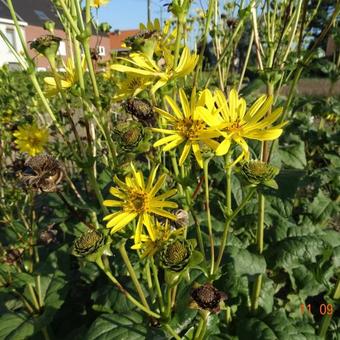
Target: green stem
x: 171, y: 331
x: 199, y: 328
x: 226, y: 228
x: 204, y: 40
x: 167, y: 310
x: 124, y: 291
x: 326, y: 320
x: 259, y: 237
x: 158, y: 287
x: 45, y: 333
x: 207, y: 202
x: 34, y: 298
x: 133, y: 276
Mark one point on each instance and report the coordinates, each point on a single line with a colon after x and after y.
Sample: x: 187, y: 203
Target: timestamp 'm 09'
x: 323, y: 309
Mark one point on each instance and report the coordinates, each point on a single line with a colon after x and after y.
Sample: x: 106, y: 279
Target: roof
x: 34, y: 12
x: 118, y: 37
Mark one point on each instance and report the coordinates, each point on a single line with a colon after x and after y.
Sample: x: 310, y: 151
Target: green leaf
x: 321, y: 208
x: 274, y: 326
x: 129, y: 326
x: 22, y: 279
x: 292, y: 152
x: 16, y: 326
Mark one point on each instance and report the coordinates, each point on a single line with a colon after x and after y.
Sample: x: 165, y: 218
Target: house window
x: 10, y: 35
x: 101, y: 50
x: 62, y: 49
x: 41, y: 15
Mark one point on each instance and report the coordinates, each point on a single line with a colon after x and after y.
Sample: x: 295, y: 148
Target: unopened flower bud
x: 128, y: 134
x: 141, y: 109
x: 207, y: 297
x: 88, y: 244
x: 176, y: 254
x: 256, y: 172
x: 49, y: 25
x: 104, y: 27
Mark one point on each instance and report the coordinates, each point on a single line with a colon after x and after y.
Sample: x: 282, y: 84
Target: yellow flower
x: 131, y: 86
x: 98, y: 3
x: 31, y: 139
x: 187, y: 127
x: 162, y: 70
x: 163, y: 232
x: 138, y: 200
x: 67, y: 80
x: 233, y: 121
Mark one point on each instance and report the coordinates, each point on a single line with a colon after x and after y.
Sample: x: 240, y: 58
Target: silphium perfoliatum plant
x: 91, y: 245
x: 256, y: 173
x: 177, y: 257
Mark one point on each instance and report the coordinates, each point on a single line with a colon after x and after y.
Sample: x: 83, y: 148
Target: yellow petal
x: 223, y: 148
x: 185, y: 153
x: 197, y: 153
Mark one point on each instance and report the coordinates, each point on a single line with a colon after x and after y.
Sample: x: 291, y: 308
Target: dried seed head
x: 208, y: 297
x: 13, y: 256
x: 48, y: 236
x: 42, y: 173
x: 128, y: 134
x: 47, y: 45
x: 141, y: 109
x: 88, y: 243
x: 176, y: 254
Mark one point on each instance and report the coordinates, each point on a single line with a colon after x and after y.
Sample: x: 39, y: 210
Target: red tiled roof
x: 117, y: 38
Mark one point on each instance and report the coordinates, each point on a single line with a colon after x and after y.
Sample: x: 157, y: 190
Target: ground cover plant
x: 174, y: 192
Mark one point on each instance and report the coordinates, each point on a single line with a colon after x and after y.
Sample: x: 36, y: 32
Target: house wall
x: 6, y: 56
x: 34, y: 32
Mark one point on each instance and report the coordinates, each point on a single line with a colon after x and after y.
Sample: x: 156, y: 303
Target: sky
x: 127, y: 14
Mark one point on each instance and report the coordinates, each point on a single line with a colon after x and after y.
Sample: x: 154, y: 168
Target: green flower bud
x: 141, y: 109
x: 179, y: 8
x: 207, y: 297
x: 128, y: 134
x: 176, y: 254
x: 49, y: 25
x: 91, y: 245
x: 47, y: 45
x: 145, y: 42
x: 256, y: 172
x: 104, y: 27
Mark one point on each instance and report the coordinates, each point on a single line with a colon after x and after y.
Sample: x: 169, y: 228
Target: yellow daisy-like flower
x: 67, y: 80
x: 31, y: 139
x: 163, y: 233
x: 187, y: 127
x: 233, y: 121
x: 131, y: 86
x: 139, y: 200
x: 98, y: 3
x: 162, y: 70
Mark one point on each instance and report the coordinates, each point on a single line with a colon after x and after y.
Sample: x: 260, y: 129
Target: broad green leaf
x: 16, y: 326
x: 321, y: 208
x: 129, y: 326
x: 292, y: 152
x: 274, y: 326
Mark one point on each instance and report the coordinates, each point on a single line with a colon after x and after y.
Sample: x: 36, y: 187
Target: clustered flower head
x: 128, y: 134
x: 212, y: 117
x: 139, y: 200
x: 31, y: 139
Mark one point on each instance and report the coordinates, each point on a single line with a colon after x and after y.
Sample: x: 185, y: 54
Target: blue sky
x: 125, y: 14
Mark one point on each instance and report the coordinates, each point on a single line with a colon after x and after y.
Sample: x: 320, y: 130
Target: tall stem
x: 207, y: 202
x: 133, y: 276
x: 124, y: 291
x: 259, y: 237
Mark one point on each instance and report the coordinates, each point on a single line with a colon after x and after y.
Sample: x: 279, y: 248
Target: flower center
x: 176, y: 252
x: 234, y: 126
x: 138, y: 201
x: 190, y: 128
x: 33, y: 140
